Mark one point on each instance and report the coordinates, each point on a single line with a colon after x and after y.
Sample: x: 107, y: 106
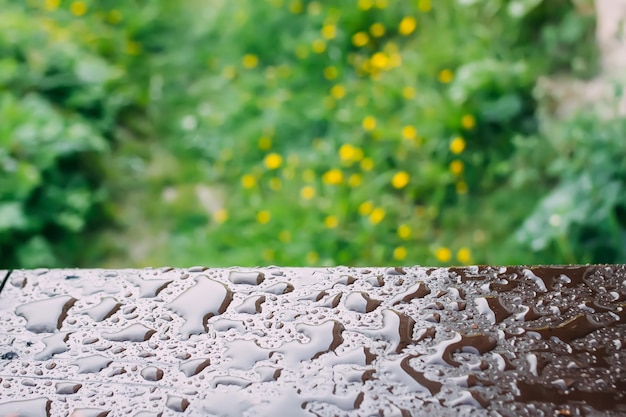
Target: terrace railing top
x: 512, y: 341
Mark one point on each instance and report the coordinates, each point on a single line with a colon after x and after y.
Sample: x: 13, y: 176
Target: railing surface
x: 511, y: 341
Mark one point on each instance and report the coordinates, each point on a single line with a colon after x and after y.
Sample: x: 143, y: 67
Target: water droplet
x: 401, y: 371
x: 229, y: 380
x: 9, y: 356
x: 55, y: 343
x: 323, y: 337
x: 148, y: 288
x: 67, y: 388
x: 245, y: 353
x: 18, y: 281
x: 178, y: 404
x: 534, y: 278
x: 346, y: 280
x: 202, y: 301
x: 90, y: 412
x: 194, y: 366
x: 45, y: 315
x: 418, y: 290
x: 361, y: 302
x: 32, y: 407
x: 492, y: 308
x: 397, y: 330
x: 91, y: 364
x: 359, y: 356
x: 248, y: 278
x: 477, y: 344
x: 574, y: 328
x: 117, y: 371
x: 148, y: 414
x: 152, y: 373
x: 268, y: 373
x: 134, y: 333
x: 465, y: 398
x: 279, y: 288
x: 395, y: 271
x: 251, y: 305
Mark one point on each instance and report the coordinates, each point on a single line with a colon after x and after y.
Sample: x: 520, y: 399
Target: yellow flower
x: 51, y: 5
x: 318, y: 46
x: 424, y: 5
x: 367, y: 164
x: 377, y: 215
x: 377, y: 30
x: 132, y: 48
x: 265, y: 142
x: 369, y: 123
x: 302, y: 51
x: 366, y: 208
x: 407, y: 25
x: 288, y: 173
x: 409, y: 132
x: 248, y: 181
x: 285, y: 236
x: 78, y: 8
x: 273, y: 161
x: 263, y: 216
x: 307, y: 192
x: 312, y: 258
x: 295, y: 6
x: 333, y: 177
x: 404, y: 231
x: 379, y: 60
x: 361, y: 100
x: 314, y: 8
x: 250, y: 61
x: 365, y: 4
x: 358, y: 154
x: 445, y: 76
x: 400, y: 180
x: 457, y: 145
x: 464, y: 255
x: 408, y: 93
x: 443, y: 254
x: 395, y: 60
x: 331, y: 222
x: 355, y: 180
x: 338, y: 91
x: 329, y: 32
x: 381, y: 4
x: 220, y: 216
x: 399, y: 253
x: 308, y: 175
x: 461, y: 187
x: 347, y: 152
x: 456, y: 167
x: 360, y: 39
x: 276, y: 184
x: 468, y: 121
x: 330, y: 73
x: 293, y: 160
x: 113, y: 17
x: 268, y: 254
x: 229, y: 72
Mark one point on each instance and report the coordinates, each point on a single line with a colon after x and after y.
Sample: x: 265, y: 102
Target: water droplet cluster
x: 314, y: 342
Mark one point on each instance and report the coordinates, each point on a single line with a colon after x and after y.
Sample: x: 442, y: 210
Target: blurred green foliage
x: 299, y: 132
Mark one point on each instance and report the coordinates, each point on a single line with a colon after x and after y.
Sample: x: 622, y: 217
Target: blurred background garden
x: 300, y: 132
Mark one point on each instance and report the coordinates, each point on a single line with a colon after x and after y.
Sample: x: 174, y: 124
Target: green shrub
x: 582, y: 217
x: 69, y: 83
